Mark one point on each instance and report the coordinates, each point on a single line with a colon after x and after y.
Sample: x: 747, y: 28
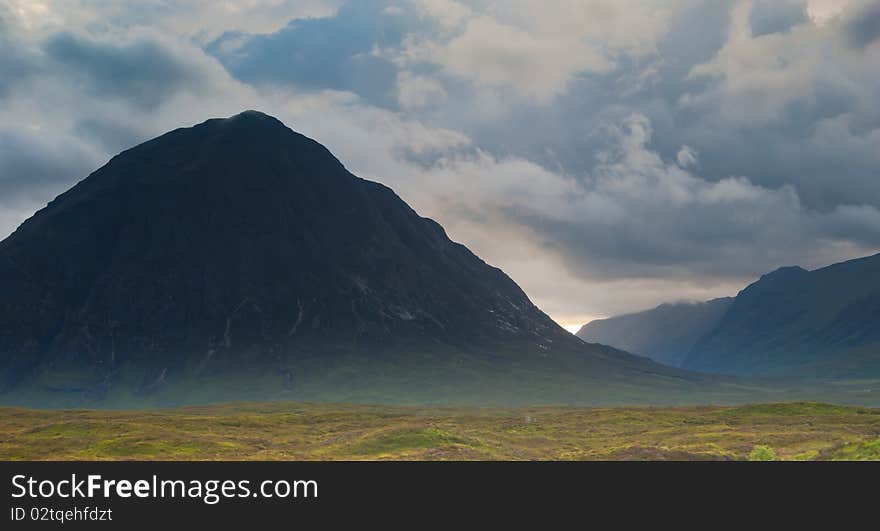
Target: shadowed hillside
x: 792, y: 321
x: 238, y: 259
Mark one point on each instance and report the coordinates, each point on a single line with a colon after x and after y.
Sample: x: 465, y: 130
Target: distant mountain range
x: 238, y: 260
x: 791, y: 322
x: 665, y: 334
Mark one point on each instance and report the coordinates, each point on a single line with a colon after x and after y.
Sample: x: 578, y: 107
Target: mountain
x: 238, y: 259
x: 792, y: 321
x: 665, y: 334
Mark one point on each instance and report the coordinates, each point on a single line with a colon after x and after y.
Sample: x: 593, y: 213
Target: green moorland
x: 297, y: 431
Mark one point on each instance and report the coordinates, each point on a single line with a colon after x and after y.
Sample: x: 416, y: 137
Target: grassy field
x: 294, y: 431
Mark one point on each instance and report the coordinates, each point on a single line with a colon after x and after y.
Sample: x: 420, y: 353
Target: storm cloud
x: 14, y: 64
x: 862, y: 25
x: 141, y: 72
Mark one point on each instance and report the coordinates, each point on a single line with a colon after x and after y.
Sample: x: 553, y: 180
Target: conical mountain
x: 239, y: 259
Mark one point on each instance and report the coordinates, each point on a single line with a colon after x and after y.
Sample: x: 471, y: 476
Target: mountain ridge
x: 793, y: 319
x: 790, y: 322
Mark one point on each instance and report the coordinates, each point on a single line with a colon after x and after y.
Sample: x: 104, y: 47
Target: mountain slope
x: 665, y: 334
x: 238, y: 259
x: 825, y: 322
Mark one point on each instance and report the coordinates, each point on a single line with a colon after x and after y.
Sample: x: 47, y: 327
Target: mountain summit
x: 239, y: 259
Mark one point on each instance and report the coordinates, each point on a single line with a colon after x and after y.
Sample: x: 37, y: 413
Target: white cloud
x: 687, y: 157
x: 496, y: 55
x: 417, y: 92
x: 449, y: 13
x: 756, y: 80
x: 631, y: 26
x: 824, y: 10
x: 535, y: 49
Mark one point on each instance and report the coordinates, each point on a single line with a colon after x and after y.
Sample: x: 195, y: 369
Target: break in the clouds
x: 608, y: 154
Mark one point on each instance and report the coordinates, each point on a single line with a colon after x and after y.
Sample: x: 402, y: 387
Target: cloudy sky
x: 609, y: 155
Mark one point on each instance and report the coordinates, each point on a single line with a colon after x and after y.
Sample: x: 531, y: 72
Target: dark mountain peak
x: 240, y: 162
x: 779, y: 279
x: 785, y: 273
x: 240, y: 246
x: 254, y: 116
x: 251, y: 122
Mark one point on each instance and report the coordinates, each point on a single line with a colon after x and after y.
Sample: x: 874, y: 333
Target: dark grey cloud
x: 33, y: 167
x: 638, y: 215
x: 107, y: 133
x: 14, y: 63
x: 777, y: 16
x: 862, y: 25
x: 142, y: 72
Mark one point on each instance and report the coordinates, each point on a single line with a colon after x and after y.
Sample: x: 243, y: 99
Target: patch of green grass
x: 404, y: 440
x: 861, y: 451
x: 762, y: 453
